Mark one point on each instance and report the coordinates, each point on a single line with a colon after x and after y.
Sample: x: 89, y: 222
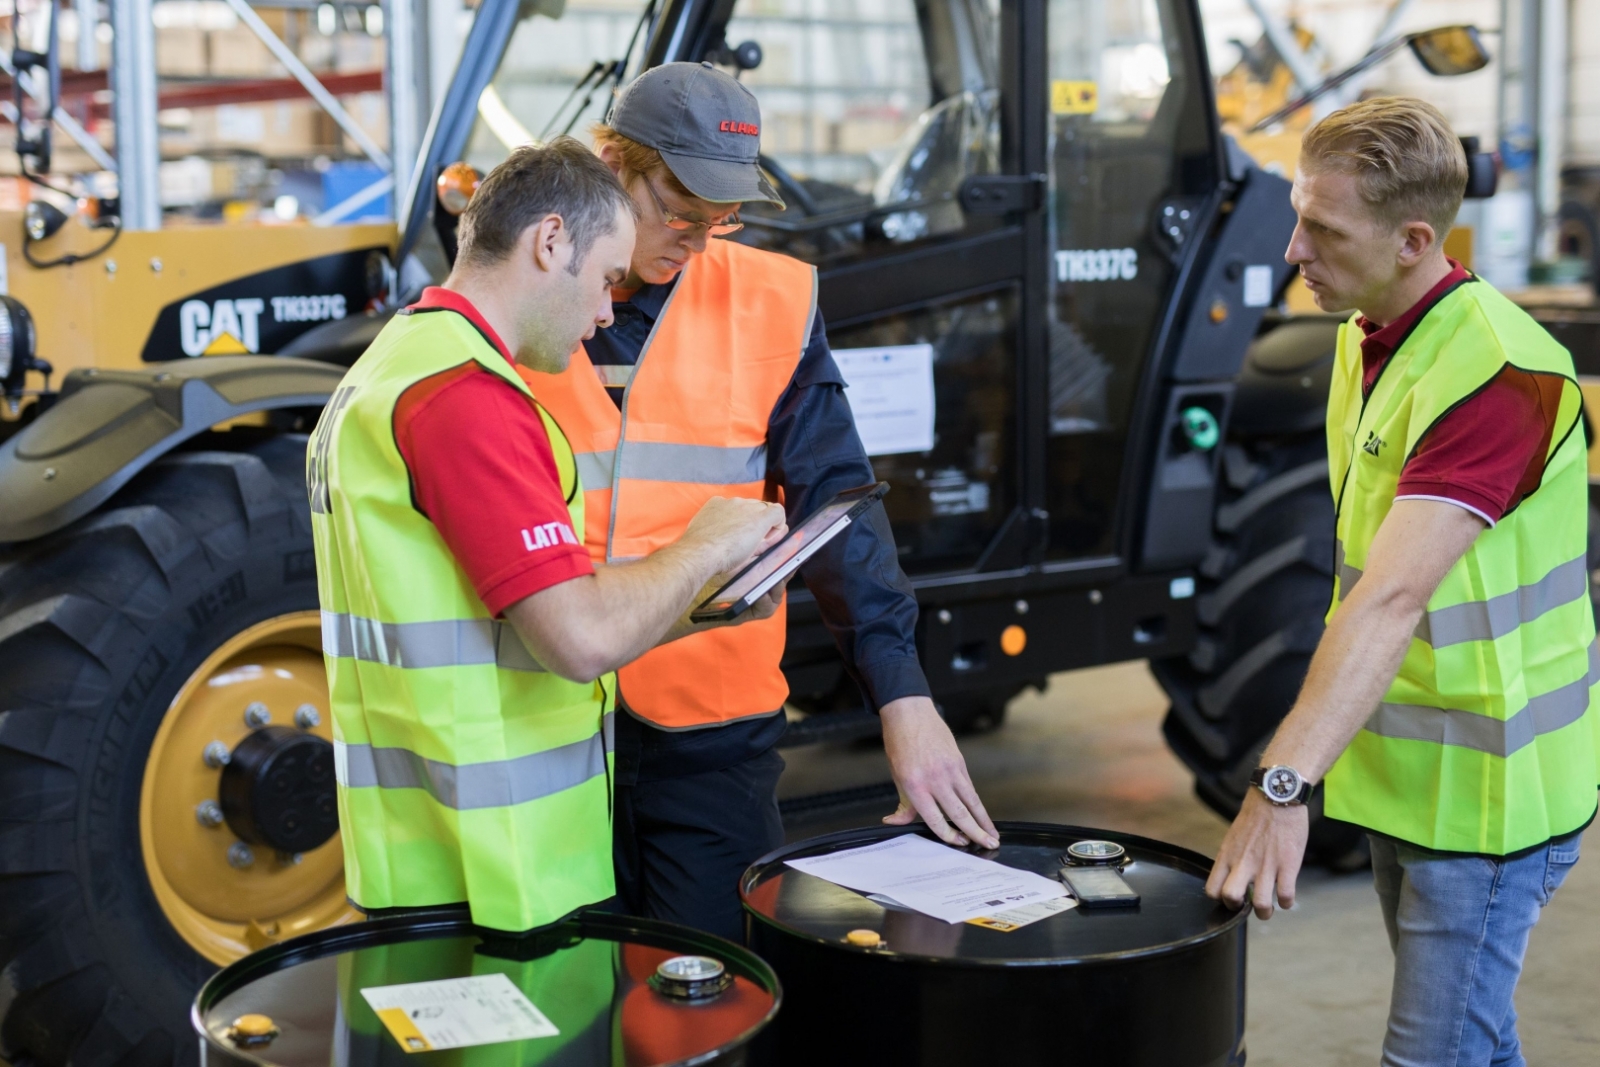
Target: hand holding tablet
x: 784, y: 558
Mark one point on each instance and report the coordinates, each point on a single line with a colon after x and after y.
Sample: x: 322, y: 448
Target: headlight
x: 42, y: 219
x: 6, y: 346
x: 16, y: 344
x: 456, y: 184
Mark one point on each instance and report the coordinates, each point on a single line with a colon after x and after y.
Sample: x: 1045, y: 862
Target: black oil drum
x: 619, y: 991
x: 1159, y: 984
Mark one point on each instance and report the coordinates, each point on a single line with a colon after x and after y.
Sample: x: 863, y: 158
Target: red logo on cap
x: 750, y: 128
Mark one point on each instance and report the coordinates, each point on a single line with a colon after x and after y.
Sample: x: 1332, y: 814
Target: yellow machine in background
x: 1259, y: 88
x: 139, y: 302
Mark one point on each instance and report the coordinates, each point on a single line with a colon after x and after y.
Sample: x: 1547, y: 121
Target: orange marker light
x: 456, y: 184
x: 1013, y: 639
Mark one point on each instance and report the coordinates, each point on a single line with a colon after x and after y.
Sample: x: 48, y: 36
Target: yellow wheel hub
x: 224, y: 896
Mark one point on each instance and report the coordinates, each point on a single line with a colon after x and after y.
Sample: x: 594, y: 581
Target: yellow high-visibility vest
x: 466, y: 772
x: 1486, y: 741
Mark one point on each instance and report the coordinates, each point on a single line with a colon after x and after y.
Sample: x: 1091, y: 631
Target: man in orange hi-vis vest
x: 716, y: 380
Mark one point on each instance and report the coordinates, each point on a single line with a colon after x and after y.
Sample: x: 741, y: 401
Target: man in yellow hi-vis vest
x: 1450, y: 706
x: 470, y: 643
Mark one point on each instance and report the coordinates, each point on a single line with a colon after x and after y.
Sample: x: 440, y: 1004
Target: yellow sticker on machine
x: 1074, y: 98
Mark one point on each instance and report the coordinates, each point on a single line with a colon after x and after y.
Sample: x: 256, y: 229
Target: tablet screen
x: 794, y: 544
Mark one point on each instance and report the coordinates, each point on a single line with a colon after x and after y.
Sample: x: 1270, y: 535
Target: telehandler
x: 1027, y: 207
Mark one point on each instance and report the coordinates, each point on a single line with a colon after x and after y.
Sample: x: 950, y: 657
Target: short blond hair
x: 637, y: 159
x: 1408, y: 164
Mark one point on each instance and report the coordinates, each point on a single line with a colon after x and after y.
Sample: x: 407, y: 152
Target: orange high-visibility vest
x: 693, y: 425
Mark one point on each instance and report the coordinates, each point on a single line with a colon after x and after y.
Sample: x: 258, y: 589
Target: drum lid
x: 1173, y: 912
x: 593, y: 977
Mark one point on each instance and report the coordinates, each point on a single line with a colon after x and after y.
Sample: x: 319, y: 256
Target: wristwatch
x: 1281, y: 785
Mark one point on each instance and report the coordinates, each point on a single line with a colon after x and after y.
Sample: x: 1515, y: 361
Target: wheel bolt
x: 307, y: 717
x: 257, y: 715
x: 209, y: 813
x: 216, y: 754
x: 240, y: 855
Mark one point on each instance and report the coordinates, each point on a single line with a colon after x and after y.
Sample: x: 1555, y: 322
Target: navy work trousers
x: 682, y: 842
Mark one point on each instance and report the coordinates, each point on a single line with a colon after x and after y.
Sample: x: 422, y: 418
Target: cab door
x: 880, y: 118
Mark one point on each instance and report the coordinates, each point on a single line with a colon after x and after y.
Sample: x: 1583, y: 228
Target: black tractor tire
x: 100, y: 625
x: 1262, y: 591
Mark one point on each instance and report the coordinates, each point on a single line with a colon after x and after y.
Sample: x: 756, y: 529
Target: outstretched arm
x: 1355, y: 662
x: 865, y: 600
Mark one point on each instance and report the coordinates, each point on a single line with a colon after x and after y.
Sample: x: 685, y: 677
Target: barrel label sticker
x: 457, y: 1013
x: 1017, y: 918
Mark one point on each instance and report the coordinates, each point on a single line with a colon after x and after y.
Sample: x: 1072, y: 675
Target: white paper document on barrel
x: 934, y: 879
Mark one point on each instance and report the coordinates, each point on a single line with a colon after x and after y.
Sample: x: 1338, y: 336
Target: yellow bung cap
x: 864, y: 938
x: 253, y: 1025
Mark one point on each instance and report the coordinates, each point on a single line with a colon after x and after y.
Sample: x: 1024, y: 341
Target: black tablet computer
x: 785, y: 557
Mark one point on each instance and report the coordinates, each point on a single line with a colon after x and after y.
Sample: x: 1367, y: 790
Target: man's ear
x: 611, y: 156
x: 1418, y: 241
x: 550, y: 243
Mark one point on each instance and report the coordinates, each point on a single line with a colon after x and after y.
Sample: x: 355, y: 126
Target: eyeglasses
x: 678, y: 222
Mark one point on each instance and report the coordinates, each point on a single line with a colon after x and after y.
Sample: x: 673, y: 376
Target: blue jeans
x: 1459, y: 929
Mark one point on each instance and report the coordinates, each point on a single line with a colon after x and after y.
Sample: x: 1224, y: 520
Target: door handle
x: 1001, y: 194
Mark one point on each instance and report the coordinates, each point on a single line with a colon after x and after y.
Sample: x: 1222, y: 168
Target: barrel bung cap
x: 253, y: 1029
x: 864, y: 938
x: 691, y: 977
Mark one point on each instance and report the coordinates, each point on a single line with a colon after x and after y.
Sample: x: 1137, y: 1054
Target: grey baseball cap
x: 705, y: 125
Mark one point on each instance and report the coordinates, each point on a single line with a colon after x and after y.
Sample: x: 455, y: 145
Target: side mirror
x: 1483, y: 171
x: 1449, y: 50
x: 33, y: 138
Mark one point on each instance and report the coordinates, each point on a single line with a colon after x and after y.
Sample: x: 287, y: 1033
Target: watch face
x: 1282, y: 783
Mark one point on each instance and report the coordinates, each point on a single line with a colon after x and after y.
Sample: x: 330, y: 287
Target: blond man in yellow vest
x: 469, y: 639
x: 716, y: 379
x: 1450, y: 705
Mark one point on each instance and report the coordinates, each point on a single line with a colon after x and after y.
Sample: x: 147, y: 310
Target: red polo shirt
x: 482, y: 471
x: 1486, y: 454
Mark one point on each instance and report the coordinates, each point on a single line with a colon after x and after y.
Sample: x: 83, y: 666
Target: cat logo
x: 223, y: 328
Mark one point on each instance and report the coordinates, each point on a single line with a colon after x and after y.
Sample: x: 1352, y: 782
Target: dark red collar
x: 438, y: 298
x: 1380, y: 342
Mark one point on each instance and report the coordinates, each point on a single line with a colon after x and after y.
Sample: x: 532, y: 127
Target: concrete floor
x: 1090, y: 752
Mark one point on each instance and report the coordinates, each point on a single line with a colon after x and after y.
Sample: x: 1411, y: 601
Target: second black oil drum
x: 1159, y: 984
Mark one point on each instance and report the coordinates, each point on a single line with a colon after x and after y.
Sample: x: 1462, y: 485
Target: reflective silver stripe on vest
x: 1485, y: 620
x: 465, y: 787
x: 1544, y: 714
x: 594, y: 468
x: 1348, y: 576
x: 417, y: 645
x: 617, y: 375
x: 654, y: 461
